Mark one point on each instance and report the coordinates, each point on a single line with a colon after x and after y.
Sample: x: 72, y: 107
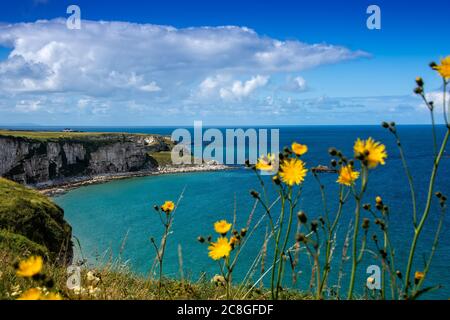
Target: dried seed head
x: 300, y: 237
x: 314, y: 225
x: 302, y: 217
x: 200, y: 239
x: 254, y: 194
x: 365, y: 224
x: 333, y: 152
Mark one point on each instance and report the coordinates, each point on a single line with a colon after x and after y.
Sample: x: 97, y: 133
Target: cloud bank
x: 120, y: 68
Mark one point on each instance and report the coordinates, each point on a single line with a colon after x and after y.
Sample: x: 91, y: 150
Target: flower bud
x: 333, y: 163
x: 200, y: 239
x: 276, y: 180
x: 365, y: 224
x: 418, y: 90
x: 300, y: 237
x: 243, y: 232
x: 301, y: 215
x: 385, y: 125
x: 332, y: 151
x: 254, y: 194
x: 366, y: 206
x: 419, y: 81
x: 314, y: 225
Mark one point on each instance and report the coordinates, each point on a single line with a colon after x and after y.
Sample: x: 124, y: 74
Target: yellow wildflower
x: 30, y: 267
x: 419, y: 275
x: 31, y: 294
x: 378, y: 199
x: 371, y: 151
x: 219, y: 249
x: 347, y: 176
x: 266, y: 163
x: 222, y: 226
x: 444, y: 68
x: 168, y: 206
x: 299, y: 149
x: 293, y: 171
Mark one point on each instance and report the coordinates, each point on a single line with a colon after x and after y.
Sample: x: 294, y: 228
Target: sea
x: 115, y: 221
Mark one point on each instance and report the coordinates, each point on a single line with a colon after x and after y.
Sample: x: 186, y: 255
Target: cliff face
x: 33, y: 161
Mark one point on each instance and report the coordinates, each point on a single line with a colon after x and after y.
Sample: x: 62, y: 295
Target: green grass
x: 163, y: 158
x: 26, y: 212
x: 117, y: 282
x: 58, y: 135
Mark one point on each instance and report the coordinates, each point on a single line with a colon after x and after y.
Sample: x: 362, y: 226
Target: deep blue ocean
x: 118, y: 217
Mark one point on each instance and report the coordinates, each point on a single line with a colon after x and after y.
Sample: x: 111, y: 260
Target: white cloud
x: 437, y: 97
x: 114, y: 63
x: 240, y: 89
x: 295, y: 85
x: 151, y: 87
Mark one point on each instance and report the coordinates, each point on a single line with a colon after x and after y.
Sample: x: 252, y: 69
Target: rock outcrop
x: 40, y: 162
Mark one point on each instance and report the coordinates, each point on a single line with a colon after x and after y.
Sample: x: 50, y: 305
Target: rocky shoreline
x: 55, y: 188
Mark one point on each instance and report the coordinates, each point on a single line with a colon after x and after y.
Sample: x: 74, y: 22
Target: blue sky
x: 282, y: 62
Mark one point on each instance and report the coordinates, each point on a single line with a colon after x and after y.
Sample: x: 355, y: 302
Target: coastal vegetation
x: 29, y: 272
x: 68, y: 136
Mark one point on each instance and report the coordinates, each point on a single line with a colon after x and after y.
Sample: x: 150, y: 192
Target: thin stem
x: 288, y: 231
x: 277, y: 240
x: 409, y: 176
x: 355, y: 232
x: 426, y: 211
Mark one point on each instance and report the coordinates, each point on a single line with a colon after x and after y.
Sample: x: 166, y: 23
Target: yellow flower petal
x: 168, y: 206
x: 293, y: 171
x: 444, y: 68
x: 222, y: 226
x: 31, y: 294
x: 299, y: 149
x: 372, y: 152
x: 219, y: 249
x: 266, y: 163
x: 347, y: 176
x: 30, y: 267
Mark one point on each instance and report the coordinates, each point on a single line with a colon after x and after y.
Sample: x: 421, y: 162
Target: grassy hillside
x: 26, y: 212
x: 55, y: 135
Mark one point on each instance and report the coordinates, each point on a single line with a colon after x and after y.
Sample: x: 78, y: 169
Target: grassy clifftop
x: 31, y: 219
x: 59, y: 135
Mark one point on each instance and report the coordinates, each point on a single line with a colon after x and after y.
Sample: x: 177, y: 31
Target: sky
x: 222, y: 62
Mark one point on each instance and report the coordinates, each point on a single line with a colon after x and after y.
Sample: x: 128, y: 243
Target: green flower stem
x: 355, y: 232
x: 277, y: 240
x: 331, y: 229
x: 286, y: 238
x: 409, y: 176
x: 425, y: 213
x: 430, y: 258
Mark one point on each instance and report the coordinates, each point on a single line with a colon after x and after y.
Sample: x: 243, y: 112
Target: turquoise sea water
x: 118, y: 217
